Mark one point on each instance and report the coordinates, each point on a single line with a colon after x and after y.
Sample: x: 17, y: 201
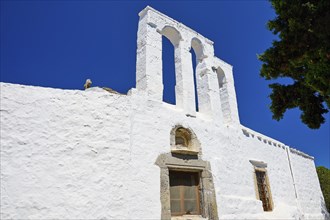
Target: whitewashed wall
x: 308, y: 187
x: 64, y: 154
x: 70, y: 154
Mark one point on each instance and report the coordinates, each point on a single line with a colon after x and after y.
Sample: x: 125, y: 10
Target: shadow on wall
x: 262, y: 138
x: 185, y: 156
x: 324, y: 210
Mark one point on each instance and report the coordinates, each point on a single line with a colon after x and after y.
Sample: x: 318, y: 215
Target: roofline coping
x: 274, y: 142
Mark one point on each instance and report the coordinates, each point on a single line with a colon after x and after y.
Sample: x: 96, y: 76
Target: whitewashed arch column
x: 149, y: 58
x: 185, y: 78
x: 227, y: 93
x: 152, y: 25
x: 209, y: 102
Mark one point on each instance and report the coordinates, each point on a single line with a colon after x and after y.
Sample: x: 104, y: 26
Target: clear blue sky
x: 62, y: 43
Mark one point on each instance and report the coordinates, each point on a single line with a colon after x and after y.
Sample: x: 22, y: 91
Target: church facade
x: 95, y: 154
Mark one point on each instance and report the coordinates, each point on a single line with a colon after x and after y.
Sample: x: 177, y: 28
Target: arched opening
x: 168, y: 71
x: 194, y: 65
x: 196, y: 44
x: 221, y: 78
x: 182, y: 137
x: 170, y: 40
x: 197, y: 56
x: 184, y: 141
x: 172, y: 34
x: 224, y: 98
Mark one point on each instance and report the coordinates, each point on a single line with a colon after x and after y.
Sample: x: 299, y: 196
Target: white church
x: 95, y: 154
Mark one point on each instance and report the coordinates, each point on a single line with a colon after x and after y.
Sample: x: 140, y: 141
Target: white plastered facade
x: 70, y: 154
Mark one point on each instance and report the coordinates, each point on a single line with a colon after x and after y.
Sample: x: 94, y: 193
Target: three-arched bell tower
x: 214, y: 78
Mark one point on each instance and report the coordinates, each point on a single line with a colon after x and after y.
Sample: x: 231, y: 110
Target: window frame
x: 271, y: 204
x: 197, y: 176
x: 208, y: 203
x: 184, y: 141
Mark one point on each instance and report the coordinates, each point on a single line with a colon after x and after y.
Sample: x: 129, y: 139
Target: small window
x: 182, y: 137
x: 184, y: 193
x: 264, y: 189
x: 184, y: 141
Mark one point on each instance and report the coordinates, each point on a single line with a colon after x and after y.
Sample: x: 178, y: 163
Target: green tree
x: 324, y: 177
x: 302, y: 53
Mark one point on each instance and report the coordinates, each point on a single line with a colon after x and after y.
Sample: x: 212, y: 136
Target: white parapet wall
x: 94, y: 154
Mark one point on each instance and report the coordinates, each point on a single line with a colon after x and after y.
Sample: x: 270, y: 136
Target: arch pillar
x: 184, y: 88
x: 208, y: 95
x: 227, y: 94
x: 149, y: 58
x: 232, y: 96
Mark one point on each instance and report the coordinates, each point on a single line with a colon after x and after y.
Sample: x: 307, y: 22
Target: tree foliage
x: 302, y: 53
x: 324, y: 177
